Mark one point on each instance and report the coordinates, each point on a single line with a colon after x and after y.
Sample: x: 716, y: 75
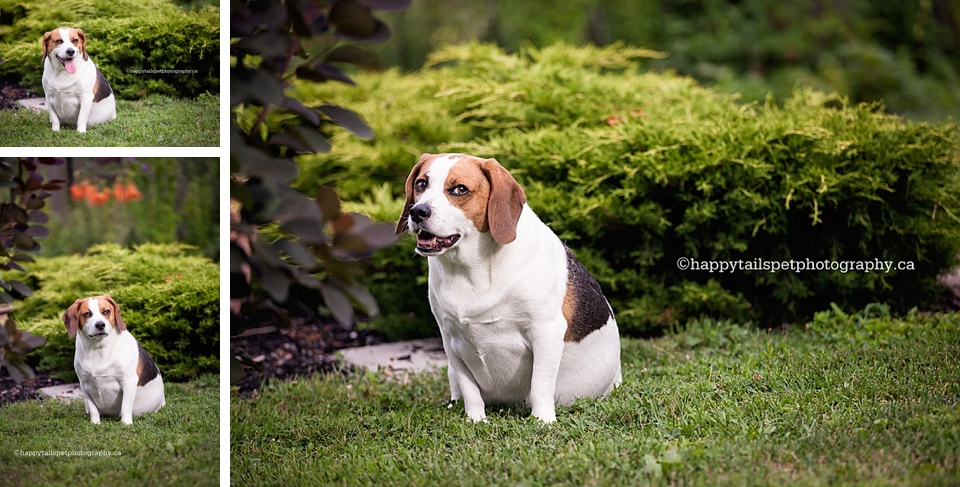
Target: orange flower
x: 82, y: 190
x: 119, y: 192
x: 97, y: 198
x: 133, y: 194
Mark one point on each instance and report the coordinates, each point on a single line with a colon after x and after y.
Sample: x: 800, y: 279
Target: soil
x: 303, y: 349
x: 11, y: 92
x: 29, y: 389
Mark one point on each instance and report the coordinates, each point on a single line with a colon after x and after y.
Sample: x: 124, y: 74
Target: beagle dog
x: 75, y: 90
x: 117, y: 376
x: 522, y: 321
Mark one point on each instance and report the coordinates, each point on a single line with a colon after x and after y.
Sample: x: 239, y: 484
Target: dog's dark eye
x: 87, y: 314
x: 59, y: 41
x: 420, y: 185
x: 106, y: 312
x: 459, y: 190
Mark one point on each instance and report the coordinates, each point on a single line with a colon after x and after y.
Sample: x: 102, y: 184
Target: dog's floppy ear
x: 47, y: 45
x: 83, y: 44
x: 116, y: 312
x: 414, y: 173
x: 505, y: 203
x: 71, y: 320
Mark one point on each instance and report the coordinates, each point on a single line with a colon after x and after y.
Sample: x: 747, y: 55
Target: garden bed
x: 304, y: 349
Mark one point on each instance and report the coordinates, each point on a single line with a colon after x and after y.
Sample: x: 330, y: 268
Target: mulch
x: 11, y: 92
x: 27, y: 390
x: 303, y: 349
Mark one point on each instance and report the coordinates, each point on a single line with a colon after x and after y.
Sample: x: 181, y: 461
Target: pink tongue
x: 69, y: 65
x: 427, y: 242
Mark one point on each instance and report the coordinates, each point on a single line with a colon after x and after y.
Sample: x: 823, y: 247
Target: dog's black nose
x: 100, y: 325
x: 70, y: 51
x: 419, y: 213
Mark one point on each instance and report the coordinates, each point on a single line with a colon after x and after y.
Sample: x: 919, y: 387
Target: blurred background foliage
x: 135, y: 201
x: 634, y: 170
x: 903, y: 52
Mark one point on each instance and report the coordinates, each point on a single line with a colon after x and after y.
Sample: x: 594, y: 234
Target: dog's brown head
x: 65, y: 44
x: 95, y: 314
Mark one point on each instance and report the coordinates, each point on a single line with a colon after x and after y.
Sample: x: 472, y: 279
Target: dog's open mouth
x: 67, y: 64
x: 429, y: 243
x: 101, y: 334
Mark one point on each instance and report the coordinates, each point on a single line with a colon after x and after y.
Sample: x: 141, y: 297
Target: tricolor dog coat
x: 522, y: 321
x: 117, y: 376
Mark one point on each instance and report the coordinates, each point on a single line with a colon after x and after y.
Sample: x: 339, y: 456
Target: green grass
x: 850, y: 401
x: 155, y: 121
x: 178, y: 445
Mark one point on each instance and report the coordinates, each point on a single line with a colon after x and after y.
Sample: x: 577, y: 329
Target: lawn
x: 178, y: 445
x: 851, y: 400
x: 155, y: 121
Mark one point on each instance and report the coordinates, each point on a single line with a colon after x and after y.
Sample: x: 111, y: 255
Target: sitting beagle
x: 522, y: 320
x: 117, y: 376
x: 76, y: 91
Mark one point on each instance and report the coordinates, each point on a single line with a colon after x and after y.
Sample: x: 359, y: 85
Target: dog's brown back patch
x: 584, y: 307
x: 101, y: 89
x: 146, y: 369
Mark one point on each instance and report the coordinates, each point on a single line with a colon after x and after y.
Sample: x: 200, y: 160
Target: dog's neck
x: 475, y: 258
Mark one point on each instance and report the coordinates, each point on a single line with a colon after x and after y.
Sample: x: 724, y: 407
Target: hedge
x: 635, y: 171
x: 122, y: 36
x: 169, y: 301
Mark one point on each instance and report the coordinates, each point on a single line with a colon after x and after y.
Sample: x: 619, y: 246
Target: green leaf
x: 23, y: 241
x: 323, y: 72
x: 312, y: 137
x: 338, y: 303
x: 329, y: 203
x: 356, y: 55
x: 270, y: 44
x: 21, y: 288
x: 38, y: 231
x: 254, y: 85
x: 276, y: 283
x: 304, y: 111
x: 348, y: 120
x: 300, y: 254
x: 362, y: 298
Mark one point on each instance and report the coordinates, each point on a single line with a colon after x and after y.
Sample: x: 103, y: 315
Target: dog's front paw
x: 545, y: 416
x: 81, y: 129
x: 95, y: 420
x: 476, y: 415
x: 477, y: 418
x: 56, y: 128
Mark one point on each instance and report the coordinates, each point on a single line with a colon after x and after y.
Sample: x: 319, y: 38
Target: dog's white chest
x: 498, y: 356
x: 105, y: 392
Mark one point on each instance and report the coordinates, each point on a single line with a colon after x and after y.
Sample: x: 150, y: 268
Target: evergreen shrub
x: 170, y: 302
x: 122, y: 36
x: 634, y: 171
